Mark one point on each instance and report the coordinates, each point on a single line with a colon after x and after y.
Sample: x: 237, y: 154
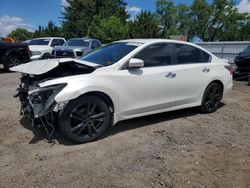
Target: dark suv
x: 242, y: 61
x: 12, y: 54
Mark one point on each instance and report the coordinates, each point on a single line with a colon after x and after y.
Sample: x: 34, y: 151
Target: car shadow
x: 40, y: 134
x: 2, y: 71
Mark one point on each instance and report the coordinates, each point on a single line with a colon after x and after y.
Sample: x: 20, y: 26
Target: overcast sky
x: 29, y: 14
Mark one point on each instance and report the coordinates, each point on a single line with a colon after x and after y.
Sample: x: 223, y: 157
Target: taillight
x: 28, y: 50
x: 229, y: 68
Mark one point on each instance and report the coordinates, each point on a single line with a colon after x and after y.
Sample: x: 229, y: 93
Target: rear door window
x: 186, y: 54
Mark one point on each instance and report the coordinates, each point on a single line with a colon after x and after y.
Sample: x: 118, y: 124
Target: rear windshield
x: 39, y: 42
x: 247, y: 50
x: 110, y: 54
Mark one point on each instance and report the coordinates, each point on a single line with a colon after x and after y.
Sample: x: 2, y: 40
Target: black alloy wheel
x: 46, y: 56
x: 211, y: 98
x: 85, y: 119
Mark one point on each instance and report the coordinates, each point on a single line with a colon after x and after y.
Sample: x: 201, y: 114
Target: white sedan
x: 122, y: 80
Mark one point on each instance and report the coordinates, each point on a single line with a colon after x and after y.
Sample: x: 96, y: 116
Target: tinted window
x: 54, y: 42
x: 247, y: 50
x: 39, y: 42
x: 109, y: 54
x: 156, y: 55
x: 98, y: 44
x: 95, y: 44
x: 189, y: 54
x: 60, y: 42
x: 77, y: 42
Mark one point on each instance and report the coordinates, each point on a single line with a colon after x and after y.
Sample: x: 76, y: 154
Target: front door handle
x: 170, y: 75
x: 206, y: 69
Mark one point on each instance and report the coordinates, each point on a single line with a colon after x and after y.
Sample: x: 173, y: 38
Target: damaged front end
x: 38, y: 103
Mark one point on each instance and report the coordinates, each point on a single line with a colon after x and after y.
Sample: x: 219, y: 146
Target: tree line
x: 108, y: 20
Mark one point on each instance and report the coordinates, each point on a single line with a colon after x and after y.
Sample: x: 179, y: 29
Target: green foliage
x: 174, y: 20
x: 183, y: 21
x: 108, y: 29
x: 219, y: 20
x: 78, y: 17
x: 51, y: 30
x: 200, y: 18
x: 167, y: 15
x: 145, y: 26
x: 21, y: 34
x: 244, y: 31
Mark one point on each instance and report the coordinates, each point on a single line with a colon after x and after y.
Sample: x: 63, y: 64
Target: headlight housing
x: 42, y: 99
x: 36, y: 53
x: 79, y: 52
x: 44, y: 94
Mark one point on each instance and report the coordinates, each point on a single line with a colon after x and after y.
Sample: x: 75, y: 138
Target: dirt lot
x: 177, y: 149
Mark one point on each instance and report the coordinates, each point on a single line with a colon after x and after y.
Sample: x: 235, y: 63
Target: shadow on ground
x: 3, y: 71
x: 40, y: 134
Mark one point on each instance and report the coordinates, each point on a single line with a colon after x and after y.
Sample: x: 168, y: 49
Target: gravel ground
x: 176, y: 149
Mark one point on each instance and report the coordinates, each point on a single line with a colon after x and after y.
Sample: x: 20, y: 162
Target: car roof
x: 144, y: 41
x: 49, y: 38
x: 83, y: 39
x: 150, y: 40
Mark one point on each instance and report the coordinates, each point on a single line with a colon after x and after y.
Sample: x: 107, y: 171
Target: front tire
x: 211, y: 98
x: 46, y: 56
x: 85, y: 119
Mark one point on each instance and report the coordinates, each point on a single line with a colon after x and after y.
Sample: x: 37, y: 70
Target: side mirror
x: 135, y: 63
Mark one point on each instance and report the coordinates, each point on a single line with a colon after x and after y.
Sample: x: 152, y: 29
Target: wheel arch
x: 218, y: 82
x: 12, y: 51
x: 103, y: 96
x: 46, y: 53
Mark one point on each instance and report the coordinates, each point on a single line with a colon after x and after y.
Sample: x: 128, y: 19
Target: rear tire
x: 12, y: 60
x: 85, y: 119
x: 211, y: 98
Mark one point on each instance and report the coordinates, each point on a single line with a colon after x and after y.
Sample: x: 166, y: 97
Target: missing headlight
x: 42, y: 100
x: 40, y: 95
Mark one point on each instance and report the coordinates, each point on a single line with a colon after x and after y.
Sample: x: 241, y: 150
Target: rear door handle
x: 206, y: 69
x: 170, y: 75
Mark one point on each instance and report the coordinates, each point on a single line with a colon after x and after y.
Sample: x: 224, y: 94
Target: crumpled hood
x: 43, y: 66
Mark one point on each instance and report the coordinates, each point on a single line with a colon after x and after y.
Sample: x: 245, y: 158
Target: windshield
x: 110, y: 54
x: 39, y: 42
x: 247, y: 50
x: 77, y: 42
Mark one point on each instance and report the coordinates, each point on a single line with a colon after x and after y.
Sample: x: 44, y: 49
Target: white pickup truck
x: 41, y: 48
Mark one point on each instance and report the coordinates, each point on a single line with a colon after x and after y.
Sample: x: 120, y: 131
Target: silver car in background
x: 75, y: 47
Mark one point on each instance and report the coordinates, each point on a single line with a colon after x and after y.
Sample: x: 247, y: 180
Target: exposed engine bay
x: 38, y: 103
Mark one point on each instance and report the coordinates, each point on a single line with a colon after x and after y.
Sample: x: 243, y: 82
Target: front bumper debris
x: 39, y: 105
